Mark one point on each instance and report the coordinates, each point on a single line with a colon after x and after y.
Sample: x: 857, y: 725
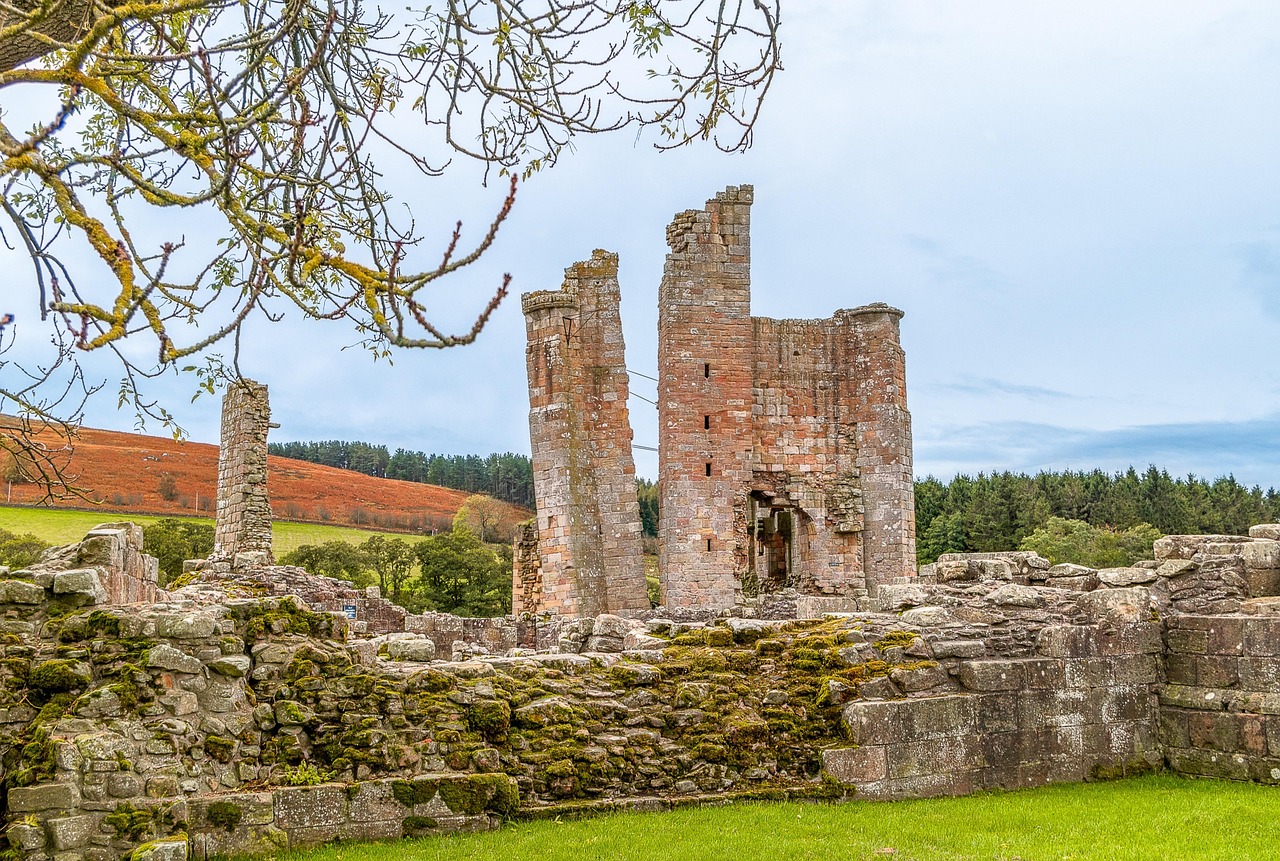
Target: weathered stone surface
x: 310, y: 806
x: 1118, y: 605
x: 72, y: 832
x: 892, y: 598
x: 544, y: 711
x: 167, y: 657
x: 20, y: 592
x: 1013, y: 595
x: 1122, y: 577
x: 640, y: 640
x: 1069, y: 569
x: 411, y: 650
x: 955, y: 571
x: 186, y: 626
x: 26, y: 837
x: 233, y: 666
x: 1187, y: 546
x: 993, y: 675
x: 916, y: 679
x: 891, y: 721
x: 164, y: 849
x: 1258, y: 553
x: 959, y: 649
x: 49, y: 796
x: 855, y: 765
x: 81, y: 585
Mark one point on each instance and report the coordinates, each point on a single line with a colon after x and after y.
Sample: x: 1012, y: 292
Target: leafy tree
x: 19, y: 551
x: 492, y: 521
x: 340, y: 560
x: 459, y: 574
x: 1061, y: 540
x: 173, y: 541
x: 279, y: 127
x: 391, y: 561
x: 945, y: 534
x: 648, y: 497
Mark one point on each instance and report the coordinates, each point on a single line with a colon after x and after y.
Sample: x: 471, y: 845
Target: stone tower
x: 243, y: 531
x: 784, y: 445
x: 704, y: 402
x: 588, y: 523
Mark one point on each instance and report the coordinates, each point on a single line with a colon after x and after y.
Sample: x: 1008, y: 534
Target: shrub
x: 173, y: 541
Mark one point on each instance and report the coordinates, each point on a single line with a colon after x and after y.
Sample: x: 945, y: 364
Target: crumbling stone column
x: 243, y: 532
x: 883, y: 433
x: 588, y: 520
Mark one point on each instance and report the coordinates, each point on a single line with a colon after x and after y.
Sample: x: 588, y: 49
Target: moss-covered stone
x: 477, y: 793
x: 411, y: 793
x: 490, y: 718
x: 224, y: 814
x: 56, y: 676
x: 220, y: 748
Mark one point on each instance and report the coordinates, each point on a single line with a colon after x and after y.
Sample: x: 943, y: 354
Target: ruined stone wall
x: 171, y: 727
x: 785, y: 445
x: 1220, y: 711
x: 243, y: 508
x: 705, y: 403
x: 584, y: 474
x: 805, y: 455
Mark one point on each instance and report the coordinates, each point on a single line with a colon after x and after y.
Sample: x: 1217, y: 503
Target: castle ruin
x: 784, y: 445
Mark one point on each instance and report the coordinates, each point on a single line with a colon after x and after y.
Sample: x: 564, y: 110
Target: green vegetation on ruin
x: 1143, y: 819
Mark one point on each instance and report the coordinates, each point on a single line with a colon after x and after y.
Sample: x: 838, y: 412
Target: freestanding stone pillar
x: 243, y: 532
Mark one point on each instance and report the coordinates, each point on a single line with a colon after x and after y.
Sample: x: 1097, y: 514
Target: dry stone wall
x: 173, y: 728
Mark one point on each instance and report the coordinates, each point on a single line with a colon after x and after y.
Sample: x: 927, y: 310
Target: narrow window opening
x: 708, y: 545
x: 706, y: 422
x: 708, y: 469
x: 706, y: 369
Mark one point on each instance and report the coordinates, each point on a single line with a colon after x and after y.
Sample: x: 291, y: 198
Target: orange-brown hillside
x: 126, y: 472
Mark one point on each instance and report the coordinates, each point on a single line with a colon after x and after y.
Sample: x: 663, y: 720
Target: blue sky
x: 1077, y: 205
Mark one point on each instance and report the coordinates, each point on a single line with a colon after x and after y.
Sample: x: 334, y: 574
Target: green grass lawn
x: 1157, y: 818
x: 61, y: 526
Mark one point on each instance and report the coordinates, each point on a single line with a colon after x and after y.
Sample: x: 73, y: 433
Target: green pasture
x: 63, y: 526
x: 1160, y: 818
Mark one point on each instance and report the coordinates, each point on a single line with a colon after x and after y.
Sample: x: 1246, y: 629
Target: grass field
x: 62, y: 526
x: 1146, y: 819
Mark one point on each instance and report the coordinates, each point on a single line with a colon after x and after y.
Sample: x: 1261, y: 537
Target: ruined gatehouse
x: 784, y: 445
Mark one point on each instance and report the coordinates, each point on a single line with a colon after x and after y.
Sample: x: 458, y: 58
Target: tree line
x: 998, y: 511
x: 506, y: 476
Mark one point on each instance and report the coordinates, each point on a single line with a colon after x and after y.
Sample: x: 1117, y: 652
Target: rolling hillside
x: 130, y: 473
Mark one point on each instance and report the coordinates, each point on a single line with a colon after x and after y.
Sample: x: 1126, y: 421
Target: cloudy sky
x: 1076, y: 204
